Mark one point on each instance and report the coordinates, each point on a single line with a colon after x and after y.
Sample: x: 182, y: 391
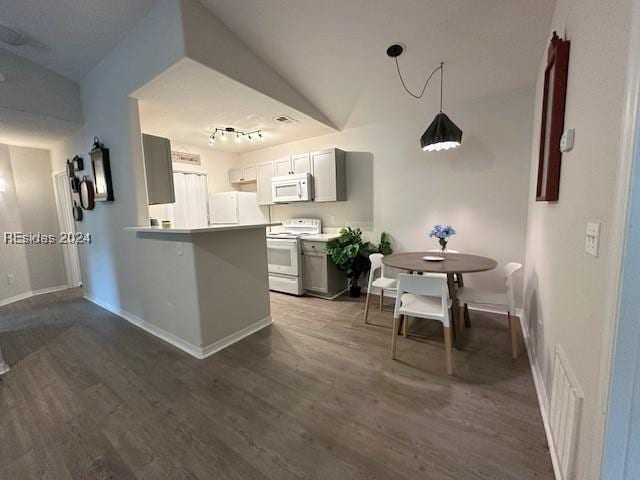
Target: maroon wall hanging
x: 552, y: 123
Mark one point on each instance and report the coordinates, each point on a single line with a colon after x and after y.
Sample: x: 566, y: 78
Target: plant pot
x: 355, y: 291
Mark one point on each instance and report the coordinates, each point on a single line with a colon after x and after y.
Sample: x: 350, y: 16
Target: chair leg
x: 381, y: 298
x: 467, y: 320
x: 366, y: 307
x: 447, y: 350
x: 514, y: 335
x: 405, y: 328
x: 394, y: 336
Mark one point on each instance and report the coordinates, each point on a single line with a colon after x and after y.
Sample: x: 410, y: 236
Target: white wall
x: 480, y: 188
x: 28, y: 206
x: 565, y: 291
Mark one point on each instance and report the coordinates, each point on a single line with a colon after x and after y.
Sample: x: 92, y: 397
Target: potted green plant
x: 351, y: 254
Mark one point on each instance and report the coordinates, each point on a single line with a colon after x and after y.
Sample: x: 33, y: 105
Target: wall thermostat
x: 566, y: 141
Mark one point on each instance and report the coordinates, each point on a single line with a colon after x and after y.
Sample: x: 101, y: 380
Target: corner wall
x: 565, y: 289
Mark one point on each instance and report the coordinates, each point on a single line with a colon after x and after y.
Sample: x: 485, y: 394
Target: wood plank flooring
x: 314, y: 396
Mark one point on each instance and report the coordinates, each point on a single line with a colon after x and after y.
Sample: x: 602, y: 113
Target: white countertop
x: 321, y: 237
x: 210, y: 228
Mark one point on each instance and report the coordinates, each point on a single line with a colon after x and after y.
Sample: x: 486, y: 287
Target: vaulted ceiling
x: 70, y: 37
x: 333, y: 51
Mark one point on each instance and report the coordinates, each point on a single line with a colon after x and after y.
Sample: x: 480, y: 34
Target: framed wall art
x: 101, y: 172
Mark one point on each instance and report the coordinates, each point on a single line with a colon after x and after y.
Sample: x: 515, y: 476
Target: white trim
x: 619, y: 222
x: 541, y: 392
x: 309, y: 293
x: 32, y: 293
x: 185, y: 346
x: 64, y: 210
x: 236, y: 337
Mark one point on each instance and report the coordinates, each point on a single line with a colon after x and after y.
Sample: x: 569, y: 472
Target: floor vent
x: 564, y: 415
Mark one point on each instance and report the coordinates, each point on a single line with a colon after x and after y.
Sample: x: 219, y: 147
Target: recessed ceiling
x: 70, y: 37
x: 185, y: 102
x: 333, y: 51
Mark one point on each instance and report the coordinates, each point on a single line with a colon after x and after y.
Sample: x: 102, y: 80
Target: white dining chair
x: 503, y: 299
x: 427, y: 297
x: 381, y: 282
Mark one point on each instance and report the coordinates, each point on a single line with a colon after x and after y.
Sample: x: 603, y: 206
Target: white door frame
x: 618, y: 375
x: 64, y: 206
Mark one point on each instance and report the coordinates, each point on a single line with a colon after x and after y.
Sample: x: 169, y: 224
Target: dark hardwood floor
x: 314, y: 396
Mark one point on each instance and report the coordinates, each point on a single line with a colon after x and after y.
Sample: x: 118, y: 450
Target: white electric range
x: 284, y: 254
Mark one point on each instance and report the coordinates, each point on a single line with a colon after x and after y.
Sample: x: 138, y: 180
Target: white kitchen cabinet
x: 329, y: 175
x: 249, y: 173
x: 242, y: 174
x: 235, y: 175
x: 282, y: 166
x: 320, y: 276
x: 301, y: 163
x: 264, y: 172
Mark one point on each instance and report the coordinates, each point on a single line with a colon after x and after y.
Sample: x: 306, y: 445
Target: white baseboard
x: 235, y: 337
x: 541, y: 392
x: 32, y: 293
x: 185, y: 346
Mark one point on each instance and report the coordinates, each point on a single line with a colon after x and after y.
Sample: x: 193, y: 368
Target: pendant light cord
x: 439, y: 67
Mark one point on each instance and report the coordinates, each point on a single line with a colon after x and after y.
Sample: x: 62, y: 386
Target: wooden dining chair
x: 427, y: 297
x: 503, y: 299
x: 381, y: 282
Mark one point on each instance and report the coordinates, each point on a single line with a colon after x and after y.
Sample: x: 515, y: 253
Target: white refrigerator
x: 236, y: 207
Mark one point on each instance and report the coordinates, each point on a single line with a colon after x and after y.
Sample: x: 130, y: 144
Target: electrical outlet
x: 179, y: 248
x: 11, y: 279
x: 592, y: 239
x: 332, y: 220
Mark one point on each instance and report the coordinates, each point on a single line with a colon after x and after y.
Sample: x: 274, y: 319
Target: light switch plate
x: 11, y: 279
x: 592, y: 239
x: 179, y: 248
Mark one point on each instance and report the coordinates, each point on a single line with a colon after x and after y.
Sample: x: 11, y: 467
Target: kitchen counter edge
x: 209, y: 229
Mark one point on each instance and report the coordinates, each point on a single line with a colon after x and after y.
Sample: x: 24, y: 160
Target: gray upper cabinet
x: 329, y: 171
x: 158, y: 169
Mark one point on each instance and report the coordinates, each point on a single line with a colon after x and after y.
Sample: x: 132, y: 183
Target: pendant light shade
x: 442, y: 134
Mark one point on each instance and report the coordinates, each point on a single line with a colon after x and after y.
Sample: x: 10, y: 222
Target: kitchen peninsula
x: 203, y: 288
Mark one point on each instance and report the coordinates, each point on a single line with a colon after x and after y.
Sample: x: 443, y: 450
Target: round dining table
x: 453, y: 266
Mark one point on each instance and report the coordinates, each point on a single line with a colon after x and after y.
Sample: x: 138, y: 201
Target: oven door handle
x: 299, y: 190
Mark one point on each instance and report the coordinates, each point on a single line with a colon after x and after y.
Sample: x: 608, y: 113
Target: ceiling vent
x: 284, y: 119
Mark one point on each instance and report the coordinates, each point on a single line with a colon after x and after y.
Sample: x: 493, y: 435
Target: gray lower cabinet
x: 320, y: 275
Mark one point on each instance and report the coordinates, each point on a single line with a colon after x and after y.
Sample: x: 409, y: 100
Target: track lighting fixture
x: 239, y: 134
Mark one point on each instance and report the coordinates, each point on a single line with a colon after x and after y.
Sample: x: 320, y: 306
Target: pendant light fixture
x: 442, y: 133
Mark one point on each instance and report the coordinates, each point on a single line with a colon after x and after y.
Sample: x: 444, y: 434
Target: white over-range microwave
x: 297, y: 187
